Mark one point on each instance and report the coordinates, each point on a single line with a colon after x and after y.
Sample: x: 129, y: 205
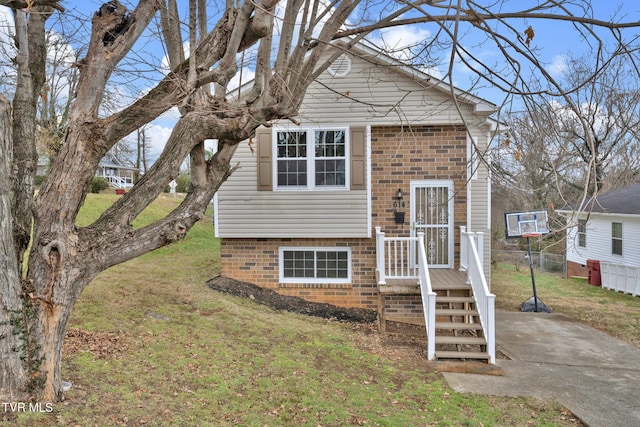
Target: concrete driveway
x: 554, y: 357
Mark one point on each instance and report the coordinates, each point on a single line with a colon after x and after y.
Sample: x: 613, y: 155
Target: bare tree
x: 555, y: 151
x: 64, y: 257
x: 142, y: 147
x: 56, y: 95
x: 609, y: 105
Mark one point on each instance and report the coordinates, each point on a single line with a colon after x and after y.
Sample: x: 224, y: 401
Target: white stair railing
x: 428, y: 298
x: 119, y: 181
x: 395, y: 257
x: 380, y: 261
x: 406, y: 258
x: 485, y: 300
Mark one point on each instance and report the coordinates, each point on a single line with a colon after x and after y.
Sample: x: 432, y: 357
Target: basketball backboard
x: 525, y: 223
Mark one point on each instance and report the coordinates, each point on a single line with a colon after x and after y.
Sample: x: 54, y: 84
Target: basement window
x: 315, y: 265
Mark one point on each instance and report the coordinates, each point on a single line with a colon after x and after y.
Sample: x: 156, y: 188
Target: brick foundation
x: 256, y: 261
x: 575, y: 269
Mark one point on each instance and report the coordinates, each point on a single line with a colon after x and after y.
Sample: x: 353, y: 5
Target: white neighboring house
x: 109, y: 168
x: 607, y: 231
x: 116, y: 174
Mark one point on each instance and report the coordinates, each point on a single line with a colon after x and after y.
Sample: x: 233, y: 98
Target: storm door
x: 432, y: 214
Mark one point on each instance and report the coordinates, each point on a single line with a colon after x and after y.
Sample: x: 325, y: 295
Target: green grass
x: 158, y: 347
x: 614, y: 313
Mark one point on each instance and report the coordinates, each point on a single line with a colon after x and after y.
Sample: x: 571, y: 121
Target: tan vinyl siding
x: 479, y: 200
x: 243, y: 211
x: 378, y: 96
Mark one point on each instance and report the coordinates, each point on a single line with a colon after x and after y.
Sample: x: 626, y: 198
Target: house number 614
x: 399, y: 204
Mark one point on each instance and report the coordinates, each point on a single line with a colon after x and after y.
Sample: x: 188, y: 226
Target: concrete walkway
x: 554, y: 357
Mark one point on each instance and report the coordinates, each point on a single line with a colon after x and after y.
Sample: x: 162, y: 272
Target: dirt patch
x: 294, y: 304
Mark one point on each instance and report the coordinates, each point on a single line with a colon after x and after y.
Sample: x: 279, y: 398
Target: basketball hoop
x: 527, y: 225
x: 532, y: 234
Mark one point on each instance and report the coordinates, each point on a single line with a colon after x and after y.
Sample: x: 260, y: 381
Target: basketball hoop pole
x: 527, y: 225
x: 533, y: 278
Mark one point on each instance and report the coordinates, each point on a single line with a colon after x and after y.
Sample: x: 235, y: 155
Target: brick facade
x: 398, y: 156
x: 256, y: 261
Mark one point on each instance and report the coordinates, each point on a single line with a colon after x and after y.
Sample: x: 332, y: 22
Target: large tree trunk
x: 13, y: 376
x: 30, y: 34
x: 64, y: 258
x: 20, y: 374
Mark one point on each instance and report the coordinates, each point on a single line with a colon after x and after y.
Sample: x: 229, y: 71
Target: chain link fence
x: 549, y: 263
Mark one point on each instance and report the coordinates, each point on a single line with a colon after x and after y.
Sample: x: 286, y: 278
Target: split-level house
x: 377, y: 197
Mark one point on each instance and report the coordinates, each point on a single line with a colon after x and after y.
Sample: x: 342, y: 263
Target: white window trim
x: 581, y: 233
x: 621, y: 238
x: 284, y: 249
x: 311, y: 159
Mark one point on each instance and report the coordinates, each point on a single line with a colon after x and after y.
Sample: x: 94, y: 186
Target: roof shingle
x: 623, y: 201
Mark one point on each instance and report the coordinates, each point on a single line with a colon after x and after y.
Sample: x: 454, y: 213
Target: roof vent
x: 340, y: 67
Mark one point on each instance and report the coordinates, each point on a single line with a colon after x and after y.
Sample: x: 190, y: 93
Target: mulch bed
x: 294, y: 304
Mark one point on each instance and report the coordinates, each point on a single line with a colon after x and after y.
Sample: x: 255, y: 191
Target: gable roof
x: 110, y: 161
x: 623, y: 201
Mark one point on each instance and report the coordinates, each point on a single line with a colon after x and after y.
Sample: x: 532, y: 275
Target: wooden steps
x: 458, y: 326
x: 459, y: 335
x: 453, y: 299
x: 455, y: 311
x: 448, y: 286
x: 467, y: 355
x: 452, y: 339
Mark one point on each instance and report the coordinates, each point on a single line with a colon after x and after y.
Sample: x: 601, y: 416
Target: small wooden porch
x: 441, y: 280
x: 458, y: 309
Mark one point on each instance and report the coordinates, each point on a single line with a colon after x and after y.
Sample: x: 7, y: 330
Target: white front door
x: 432, y: 214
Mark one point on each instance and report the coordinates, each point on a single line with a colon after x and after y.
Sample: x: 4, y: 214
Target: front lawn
x: 151, y: 345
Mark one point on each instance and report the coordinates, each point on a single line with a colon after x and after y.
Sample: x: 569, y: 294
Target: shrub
x: 98, y: 184
x: 184, y: 183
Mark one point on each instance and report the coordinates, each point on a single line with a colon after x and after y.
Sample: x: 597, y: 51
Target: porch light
x: 399, y: 194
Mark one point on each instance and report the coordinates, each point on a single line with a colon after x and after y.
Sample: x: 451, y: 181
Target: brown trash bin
x: 593, y: 267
